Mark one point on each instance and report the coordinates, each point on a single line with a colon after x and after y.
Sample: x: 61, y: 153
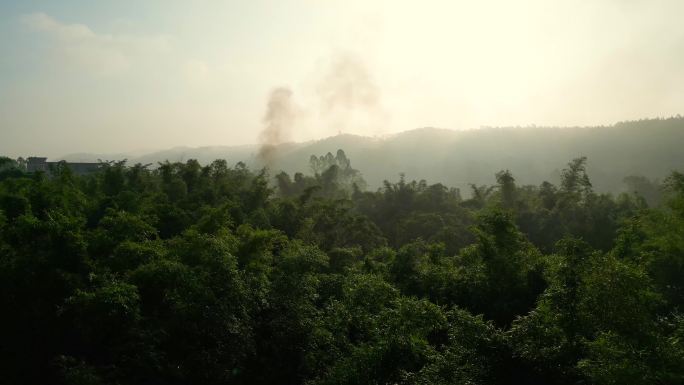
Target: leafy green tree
x: 501, y: 271
x: 507, y: 188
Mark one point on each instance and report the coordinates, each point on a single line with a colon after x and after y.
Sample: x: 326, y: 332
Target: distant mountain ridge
x: 652, y: 148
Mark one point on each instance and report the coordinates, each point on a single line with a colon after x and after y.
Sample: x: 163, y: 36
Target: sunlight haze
x: 126, y: 76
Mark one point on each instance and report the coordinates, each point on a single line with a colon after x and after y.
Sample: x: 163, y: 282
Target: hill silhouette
x: 650, y: 147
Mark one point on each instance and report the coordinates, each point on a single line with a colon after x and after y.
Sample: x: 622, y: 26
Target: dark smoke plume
x: 346, y: 96
x: 281, y: 114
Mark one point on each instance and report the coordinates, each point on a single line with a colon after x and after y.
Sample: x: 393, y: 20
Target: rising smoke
x: 349, y: 98
x: 281, y: 114
x: 346, y: 97
x: 348, y: 85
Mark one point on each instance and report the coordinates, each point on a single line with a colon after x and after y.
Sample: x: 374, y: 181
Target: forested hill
x: 650, y: 148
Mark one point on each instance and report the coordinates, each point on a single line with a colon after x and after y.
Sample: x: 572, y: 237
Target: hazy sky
x: 125, y: 75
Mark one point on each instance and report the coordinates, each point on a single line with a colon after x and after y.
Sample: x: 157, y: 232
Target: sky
x: 129, y: 76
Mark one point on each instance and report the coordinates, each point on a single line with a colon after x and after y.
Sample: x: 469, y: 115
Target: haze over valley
x: 459, y: 158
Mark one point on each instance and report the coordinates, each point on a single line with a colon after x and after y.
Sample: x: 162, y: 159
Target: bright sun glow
x: 200, y: 73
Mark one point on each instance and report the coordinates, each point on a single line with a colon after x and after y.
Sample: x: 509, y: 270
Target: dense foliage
x: 191, y: 274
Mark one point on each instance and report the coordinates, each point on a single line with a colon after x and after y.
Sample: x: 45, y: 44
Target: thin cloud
x: 100, y: 54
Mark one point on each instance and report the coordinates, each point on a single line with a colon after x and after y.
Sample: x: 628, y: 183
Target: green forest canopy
x: 192, y: 274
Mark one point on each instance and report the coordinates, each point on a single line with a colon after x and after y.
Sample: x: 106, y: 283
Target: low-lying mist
x: 649, y: 148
